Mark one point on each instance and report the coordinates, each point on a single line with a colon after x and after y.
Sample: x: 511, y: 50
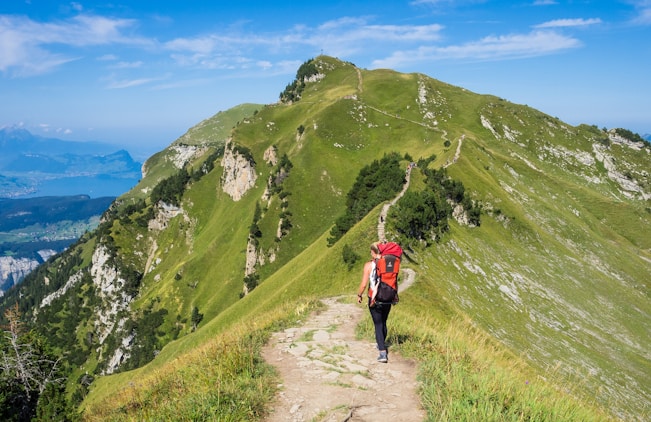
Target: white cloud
x: 503, y: 47
x: 560, y: 23
x: 127, y: 65
x: 28, y: 47
x: 130, y: 83
x: 340, y: 37
x: 108, y: 57
x: 186, y: 83
x: 201, y: 45
x: 341, y: 22
x: 644, y: 13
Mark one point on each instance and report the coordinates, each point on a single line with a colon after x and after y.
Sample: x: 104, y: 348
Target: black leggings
x: 380, y: 313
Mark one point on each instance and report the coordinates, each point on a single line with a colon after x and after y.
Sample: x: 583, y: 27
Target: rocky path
x: 385, y: 209
x: 457, y: 153
x: 329, y: 375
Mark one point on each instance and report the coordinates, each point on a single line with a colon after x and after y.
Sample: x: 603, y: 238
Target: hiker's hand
x: 359, y: 298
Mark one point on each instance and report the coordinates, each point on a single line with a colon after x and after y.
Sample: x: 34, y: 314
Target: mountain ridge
x: 565, y: 227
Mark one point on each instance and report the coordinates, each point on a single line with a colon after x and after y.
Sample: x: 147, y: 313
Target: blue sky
x: 140, y: 73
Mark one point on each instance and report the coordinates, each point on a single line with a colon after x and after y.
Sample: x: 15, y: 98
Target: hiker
x: 379, y: 311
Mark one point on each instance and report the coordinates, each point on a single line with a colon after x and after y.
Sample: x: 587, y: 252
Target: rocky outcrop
x: 165, y: 213
x: 109, y: 286
x: 256, y: 257
x: 628, y: 185
x: 251, y: 258
x: 631, y: 182
x: 618, y: 139
x: 14, y: 269
x: 270, y: 156
x: 181, y: 154
x: 239, y: 173
x: 47, y: 300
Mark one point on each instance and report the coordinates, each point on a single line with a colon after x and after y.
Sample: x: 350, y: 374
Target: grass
x: 572, y: 259
x: 223, y: 379
x: 464, y: 374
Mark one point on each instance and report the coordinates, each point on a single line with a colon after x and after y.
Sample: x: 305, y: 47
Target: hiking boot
x: 383, y: 357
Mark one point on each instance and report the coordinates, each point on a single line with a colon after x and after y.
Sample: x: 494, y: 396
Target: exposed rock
x: 279, y: 230
x: 314, y: 78
x: 629, y: 186
x: 617, y: 139
x: 15, y: 269
x: 460, y: 215
x: 251, y: 258
x: 271, y: 156
x: 110, y: 289
x: 47, y: 300
x: 121, y: 353
x: 487, y: 124
x: 165, y: 213
x: 182, y: 154
x: 239, y: 174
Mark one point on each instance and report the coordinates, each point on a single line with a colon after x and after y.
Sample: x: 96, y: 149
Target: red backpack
x: 386, y: 273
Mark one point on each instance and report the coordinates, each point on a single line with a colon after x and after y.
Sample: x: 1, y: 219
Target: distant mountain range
x: 32, y: 166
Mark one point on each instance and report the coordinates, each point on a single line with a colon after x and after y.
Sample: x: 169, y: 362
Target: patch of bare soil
x: 329, y: 375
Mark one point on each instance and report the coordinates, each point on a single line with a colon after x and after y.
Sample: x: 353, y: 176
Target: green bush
x: 349, y: 256
x: 378, y: 182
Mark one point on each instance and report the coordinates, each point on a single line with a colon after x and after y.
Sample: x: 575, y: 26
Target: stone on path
x: 329, y: 375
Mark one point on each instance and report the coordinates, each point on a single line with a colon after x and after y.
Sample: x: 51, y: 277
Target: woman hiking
x: 379, y: 311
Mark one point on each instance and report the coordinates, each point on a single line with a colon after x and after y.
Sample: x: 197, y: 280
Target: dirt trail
x: 385, y: 208
x: 457, y: 153
x: 329, y: 375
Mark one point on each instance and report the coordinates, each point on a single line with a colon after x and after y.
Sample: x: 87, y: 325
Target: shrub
x: 376, y: 183
x: 349, y: 256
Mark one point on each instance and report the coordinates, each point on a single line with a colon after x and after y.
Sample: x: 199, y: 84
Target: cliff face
x: 13, y: 270
x: 114, y: 300
x: 239, y: 173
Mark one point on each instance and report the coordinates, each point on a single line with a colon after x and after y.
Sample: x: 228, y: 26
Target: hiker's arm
x: 364, y: 282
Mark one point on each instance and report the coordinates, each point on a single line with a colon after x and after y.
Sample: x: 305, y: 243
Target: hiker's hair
x: 375, y: 247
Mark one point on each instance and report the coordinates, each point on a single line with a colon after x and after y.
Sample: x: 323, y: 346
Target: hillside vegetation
x: 531, y: 297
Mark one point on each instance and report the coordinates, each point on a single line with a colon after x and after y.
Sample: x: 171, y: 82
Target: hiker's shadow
x: 408, y: 257
x: 397, y: 339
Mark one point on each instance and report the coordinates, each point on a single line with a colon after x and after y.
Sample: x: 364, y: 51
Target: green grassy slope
x: 556, y: 276
x: 207, y: 135
x: 557, y: 271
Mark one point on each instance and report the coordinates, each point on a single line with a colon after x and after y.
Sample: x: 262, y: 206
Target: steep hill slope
x: 229, y: 228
